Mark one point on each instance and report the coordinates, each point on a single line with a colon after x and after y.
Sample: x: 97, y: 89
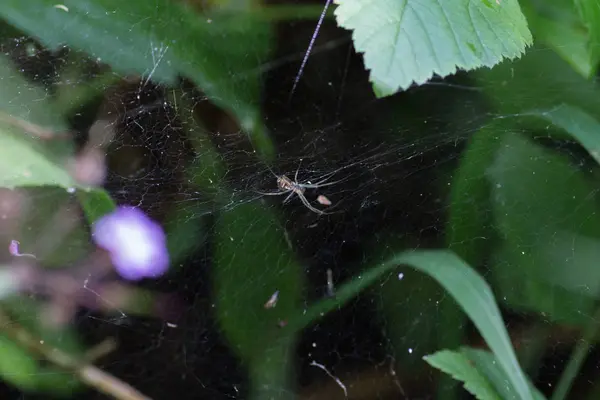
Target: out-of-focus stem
x: 100, y: 350
x: 577, y: 358
x: 87, y: 373
x: 31, y: 128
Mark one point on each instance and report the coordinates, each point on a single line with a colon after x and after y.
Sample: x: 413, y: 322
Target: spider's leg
x: 322, y: 181
x: 319, y: 184
x: 325, y: 179
x: 272, y: 172
x: 274, y: 193
x: 297, y: 170
x: 289, y: 197
x: 307, y: 205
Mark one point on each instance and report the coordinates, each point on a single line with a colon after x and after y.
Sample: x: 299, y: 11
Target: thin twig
x: 87, y: 373
x: 31, y: 128
x: 101, y: 350
x: 335, y: 378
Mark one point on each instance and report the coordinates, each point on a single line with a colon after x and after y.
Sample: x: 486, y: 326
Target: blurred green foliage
x: 519, y: 212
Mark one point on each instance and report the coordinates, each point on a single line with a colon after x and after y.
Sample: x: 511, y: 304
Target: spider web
x: 392, y: 161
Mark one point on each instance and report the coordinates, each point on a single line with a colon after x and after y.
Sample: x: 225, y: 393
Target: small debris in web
x: 395, y: 376
x: 335, y: 378
x: 272, y: 302
x: 171, y: 325
x: 323, y: 200
x: 282, y: 323
x: 13, y: 248
x: 62, y: 7
x: 330, y: 288
x: 400, y: 276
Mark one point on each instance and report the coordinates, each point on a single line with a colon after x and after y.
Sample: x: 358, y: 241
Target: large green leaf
x: 51, y: 227
x: 29, y: 155
x: 539, y: 80
x: 459, y: 366
x: 410, y: 312
x: 16, y: 366
x: 28, y: 161
x: 590, y: 14
x: 578, y: 124
x: 408, y: 41
x: 518, y: 281
x: 546, y: 211
x: 516, y: 276
x: 486, y: 363
x: 160, y: 40
x: 557, y: 25
x: 25, y: 102
x: 469, y: 229
x: 469, y: 223
x: 252, y: 263
x: 469, y: 290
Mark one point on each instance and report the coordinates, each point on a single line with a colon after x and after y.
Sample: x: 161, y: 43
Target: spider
x: 293, y: 187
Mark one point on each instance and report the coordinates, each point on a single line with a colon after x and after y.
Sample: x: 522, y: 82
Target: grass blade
x: 469, y: 290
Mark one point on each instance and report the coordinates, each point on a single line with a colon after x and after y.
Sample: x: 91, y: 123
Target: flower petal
x: 137, y: 244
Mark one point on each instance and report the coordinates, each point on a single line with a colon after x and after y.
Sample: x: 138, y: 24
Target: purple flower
x: 137, y: 245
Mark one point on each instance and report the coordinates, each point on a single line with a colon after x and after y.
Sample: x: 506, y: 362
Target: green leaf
x: 16, y: 365
x: 95, y: 203
x: 557, y: 232
x: 24, y: 101
x: 590, y: 14
x: 186, y: 224
x: 469, y: 290
x: 558, y: 26
x: 410, y: 311
x: 186, y: 230
x: 27, y: 159
x: 82, y: 89
x: 26, y: 312
x: 522, y: 287
x: 469, y: 229
x: 469, y: 222
x: 160, y: 40
x: 487, y: 364
x: 252, y: 262
x: 460, y: 368
x: 407, y: 41
x: 18, y: 368
x: 578, y: 124
x: 546, y: 78
x: 51, y: 227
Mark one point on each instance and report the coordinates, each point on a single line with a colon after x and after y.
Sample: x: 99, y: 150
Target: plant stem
x: 577, y: 358
x: 87, y: 373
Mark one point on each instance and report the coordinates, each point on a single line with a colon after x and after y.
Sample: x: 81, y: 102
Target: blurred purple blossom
x: 137, y: 245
